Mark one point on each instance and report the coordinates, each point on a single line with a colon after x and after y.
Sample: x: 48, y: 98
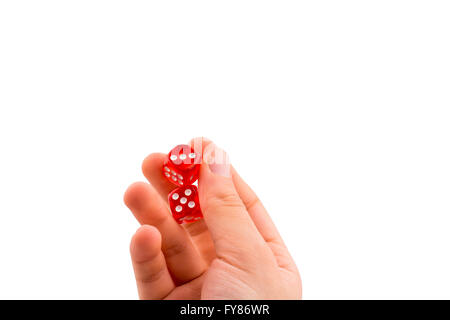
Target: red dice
x: 184, y: 204
x: 182, y: 166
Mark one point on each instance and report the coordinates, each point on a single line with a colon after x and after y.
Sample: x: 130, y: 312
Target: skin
x: 235, y: 252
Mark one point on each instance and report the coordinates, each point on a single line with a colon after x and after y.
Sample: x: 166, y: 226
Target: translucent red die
x: 182, y: 166
x: 185, y: 205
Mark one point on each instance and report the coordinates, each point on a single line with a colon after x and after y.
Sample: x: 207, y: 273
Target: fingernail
x: 217, y: 160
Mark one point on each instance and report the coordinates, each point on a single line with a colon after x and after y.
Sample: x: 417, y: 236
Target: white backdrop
x: 335, y: 112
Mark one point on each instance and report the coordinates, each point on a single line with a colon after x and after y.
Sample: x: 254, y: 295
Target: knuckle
x: 253, y: 202
x: 222, y: 200
x: 158, y: 220
x: 151, y: 277
x: 174, y: 249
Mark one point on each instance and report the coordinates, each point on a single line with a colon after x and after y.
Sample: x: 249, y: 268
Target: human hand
x: 235, y: 252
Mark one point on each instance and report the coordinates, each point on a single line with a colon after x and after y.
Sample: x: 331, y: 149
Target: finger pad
x: 146, y: 243
x: 153, y: 164
x: 136, y: 195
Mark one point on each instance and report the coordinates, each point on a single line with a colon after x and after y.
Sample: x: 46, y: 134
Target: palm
x: 220, y: 279
x: 192, y: 289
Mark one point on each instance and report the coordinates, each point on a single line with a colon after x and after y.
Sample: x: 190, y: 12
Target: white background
x: 335, y: 112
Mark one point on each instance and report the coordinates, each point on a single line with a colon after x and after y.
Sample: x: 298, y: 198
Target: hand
x: 235, y: 252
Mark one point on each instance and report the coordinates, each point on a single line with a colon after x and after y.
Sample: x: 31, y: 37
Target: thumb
x: 224, y: 212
